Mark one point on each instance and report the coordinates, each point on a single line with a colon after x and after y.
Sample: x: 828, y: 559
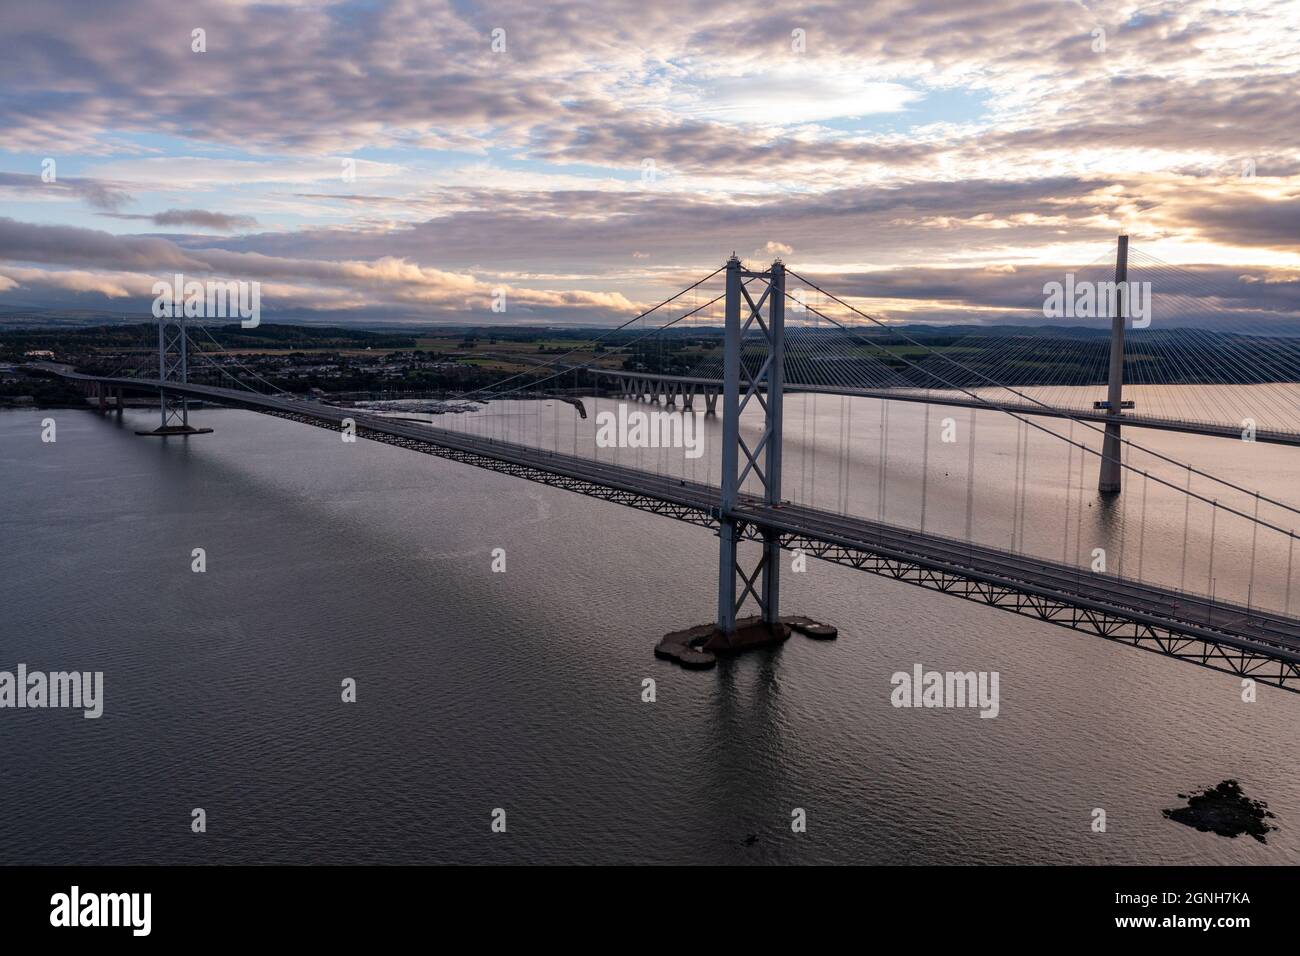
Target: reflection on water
x: 522, y: 690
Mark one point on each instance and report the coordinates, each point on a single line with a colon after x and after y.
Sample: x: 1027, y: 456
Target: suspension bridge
x: 771, y: 369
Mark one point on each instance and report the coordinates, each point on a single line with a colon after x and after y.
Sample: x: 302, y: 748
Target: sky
x: 379, y: 162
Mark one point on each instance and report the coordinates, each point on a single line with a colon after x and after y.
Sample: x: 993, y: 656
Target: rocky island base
x: 697, y: 648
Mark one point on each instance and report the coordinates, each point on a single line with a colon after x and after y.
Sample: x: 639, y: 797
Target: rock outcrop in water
x: 1224, y: 810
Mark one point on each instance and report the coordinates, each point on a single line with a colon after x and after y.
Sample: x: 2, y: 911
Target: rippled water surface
x: 522, y: 690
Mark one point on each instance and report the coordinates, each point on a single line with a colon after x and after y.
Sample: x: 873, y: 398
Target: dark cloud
x: 1250, y: 299
x: 93, y: 192
x: 591, y: 231
x: 73, y: 246
x: 198, y: 218
x: 1246, y: 220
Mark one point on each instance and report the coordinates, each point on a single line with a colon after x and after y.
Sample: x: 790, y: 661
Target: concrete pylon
x: 1110, y: 479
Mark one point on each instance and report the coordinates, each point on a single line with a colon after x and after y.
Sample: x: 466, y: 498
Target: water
x: 522, y: 690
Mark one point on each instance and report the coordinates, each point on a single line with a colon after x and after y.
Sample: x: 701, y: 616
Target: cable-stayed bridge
x: 1228, y: 628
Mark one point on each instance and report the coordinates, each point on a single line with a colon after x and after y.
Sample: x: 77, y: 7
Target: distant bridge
x: 689, y: 390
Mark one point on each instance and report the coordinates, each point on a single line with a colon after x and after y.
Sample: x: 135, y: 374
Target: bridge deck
x: 1165, y: 614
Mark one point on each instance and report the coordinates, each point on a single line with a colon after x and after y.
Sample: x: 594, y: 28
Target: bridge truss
x: 1211, y: 644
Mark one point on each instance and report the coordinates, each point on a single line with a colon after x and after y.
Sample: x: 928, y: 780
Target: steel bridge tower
x: 753, y: 371
x: 173, y: 366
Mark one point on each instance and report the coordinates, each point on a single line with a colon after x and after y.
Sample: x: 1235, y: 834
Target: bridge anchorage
x: 754, y: 329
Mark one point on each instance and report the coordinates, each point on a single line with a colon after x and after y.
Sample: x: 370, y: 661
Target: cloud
x: 591, y: 231
x: 108, y: 285
x: 1247, y: 220
x: 1197, y: 295
x: 99, y: 194
x: 83, y: 260
x: 794, y: 92
x: 196, y: 172
x: 198, y: 218
x: 71, y: 245
x: 598, y: 77
x: 900, y: 135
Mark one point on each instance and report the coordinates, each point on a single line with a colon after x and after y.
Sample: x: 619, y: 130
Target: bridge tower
x: 173, y: 366
x: 753, y: 371
x: 1110, y: 480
